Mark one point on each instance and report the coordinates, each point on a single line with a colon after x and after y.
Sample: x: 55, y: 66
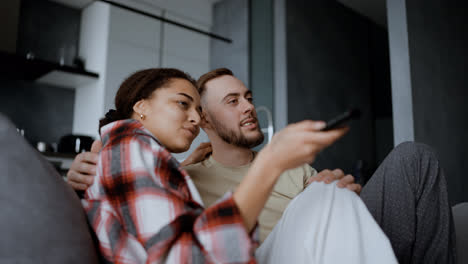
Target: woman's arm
x: 295, y: 145
x: 150, y: 216
x: 144, y: 210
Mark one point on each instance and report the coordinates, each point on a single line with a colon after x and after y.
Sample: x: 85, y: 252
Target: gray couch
x: 460, y: 218
x: 42, y: 220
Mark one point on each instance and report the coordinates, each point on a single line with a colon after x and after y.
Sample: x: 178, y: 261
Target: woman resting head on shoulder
x: 144, y: 207
x: 164, y: 101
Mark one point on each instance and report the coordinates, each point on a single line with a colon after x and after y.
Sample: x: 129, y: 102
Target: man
x: 230, y: 121
x: 406, y: 196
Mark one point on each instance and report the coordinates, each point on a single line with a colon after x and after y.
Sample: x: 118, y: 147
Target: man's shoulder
x: 300, y: 172
x: 195, y: 167
x: 202, y: 167
x: 292, y: 181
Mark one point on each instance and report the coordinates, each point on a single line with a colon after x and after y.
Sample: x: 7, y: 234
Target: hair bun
x: 110, y: 117
x: 111, y: 114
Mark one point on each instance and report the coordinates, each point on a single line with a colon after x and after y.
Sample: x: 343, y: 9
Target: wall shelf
x: 14, y: 66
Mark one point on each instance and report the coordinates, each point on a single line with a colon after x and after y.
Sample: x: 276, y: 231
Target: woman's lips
x: 192, y: 132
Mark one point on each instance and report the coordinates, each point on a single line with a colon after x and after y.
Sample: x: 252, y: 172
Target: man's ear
x: 204, y: 123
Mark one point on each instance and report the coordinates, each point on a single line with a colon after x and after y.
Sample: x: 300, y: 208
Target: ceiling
x: 375, y: 10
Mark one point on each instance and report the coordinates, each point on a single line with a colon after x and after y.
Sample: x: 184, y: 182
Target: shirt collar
x: 124, y: 127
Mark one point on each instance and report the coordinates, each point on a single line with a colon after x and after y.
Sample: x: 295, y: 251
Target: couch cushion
x: 42, y: 220
x: 460, y: 218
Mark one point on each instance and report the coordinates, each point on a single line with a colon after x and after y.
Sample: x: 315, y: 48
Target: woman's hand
x: 300, y: 143
x: 294, y: 146
x: 199, y: 154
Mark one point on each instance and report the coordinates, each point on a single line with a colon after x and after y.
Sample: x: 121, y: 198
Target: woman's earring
x: 142, y: 116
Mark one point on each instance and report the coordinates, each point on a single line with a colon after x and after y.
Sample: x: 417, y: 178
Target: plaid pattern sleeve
x: 142, y: 211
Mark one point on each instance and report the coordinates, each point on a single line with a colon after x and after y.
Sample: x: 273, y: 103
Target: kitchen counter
x: 61, y: 161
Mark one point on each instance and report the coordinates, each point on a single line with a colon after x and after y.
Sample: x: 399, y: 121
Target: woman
x: 144, y: 207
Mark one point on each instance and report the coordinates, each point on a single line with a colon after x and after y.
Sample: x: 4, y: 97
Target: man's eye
x: 233, y: 101
x: 250, y: 99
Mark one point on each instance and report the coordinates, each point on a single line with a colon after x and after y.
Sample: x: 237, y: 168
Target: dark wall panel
x: 381, y: 90
x: 329, y: 71
x: 49, y: 30
x: 438, y: 41
x: 44, y: 112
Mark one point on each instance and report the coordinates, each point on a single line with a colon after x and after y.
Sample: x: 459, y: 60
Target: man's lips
x: 248, y: 122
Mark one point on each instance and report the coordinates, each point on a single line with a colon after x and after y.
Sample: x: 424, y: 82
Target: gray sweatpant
x: 407, y: 196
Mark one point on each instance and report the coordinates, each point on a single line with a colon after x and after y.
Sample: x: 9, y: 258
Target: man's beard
x: 230, y: 136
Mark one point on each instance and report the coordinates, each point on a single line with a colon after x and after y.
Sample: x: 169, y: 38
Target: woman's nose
x: 194, y: 117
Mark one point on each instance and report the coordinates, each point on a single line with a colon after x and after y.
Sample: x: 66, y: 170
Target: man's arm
x: 199, y: 154
x: 83, y: 169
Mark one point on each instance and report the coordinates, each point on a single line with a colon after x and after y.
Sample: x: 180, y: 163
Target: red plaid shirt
x: 144, y: 207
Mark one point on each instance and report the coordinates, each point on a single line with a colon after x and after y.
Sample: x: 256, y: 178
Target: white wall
x: 280, y: 60
x: 402, y: 99
x: 186, y: 50
x: 89, y: 99
x: 133, y: 45
x: 198, y: 11
x: 116, y: 42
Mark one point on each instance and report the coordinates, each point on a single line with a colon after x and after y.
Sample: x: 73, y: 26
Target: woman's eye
x: 183, y: 104
x: 250, y: 99
x: 233, y: 101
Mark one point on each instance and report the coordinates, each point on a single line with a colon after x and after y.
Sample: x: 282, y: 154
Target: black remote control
x: 342, y: 118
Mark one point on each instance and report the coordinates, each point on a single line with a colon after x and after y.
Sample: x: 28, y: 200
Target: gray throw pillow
x: 41, y: 219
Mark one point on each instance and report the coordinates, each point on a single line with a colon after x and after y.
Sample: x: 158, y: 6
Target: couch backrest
x: 460, y: 218
x: 41, y: 219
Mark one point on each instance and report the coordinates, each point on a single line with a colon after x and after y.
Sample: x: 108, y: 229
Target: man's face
x: 228, y: 108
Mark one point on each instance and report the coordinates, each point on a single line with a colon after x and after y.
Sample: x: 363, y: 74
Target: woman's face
x: 172, y: 114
